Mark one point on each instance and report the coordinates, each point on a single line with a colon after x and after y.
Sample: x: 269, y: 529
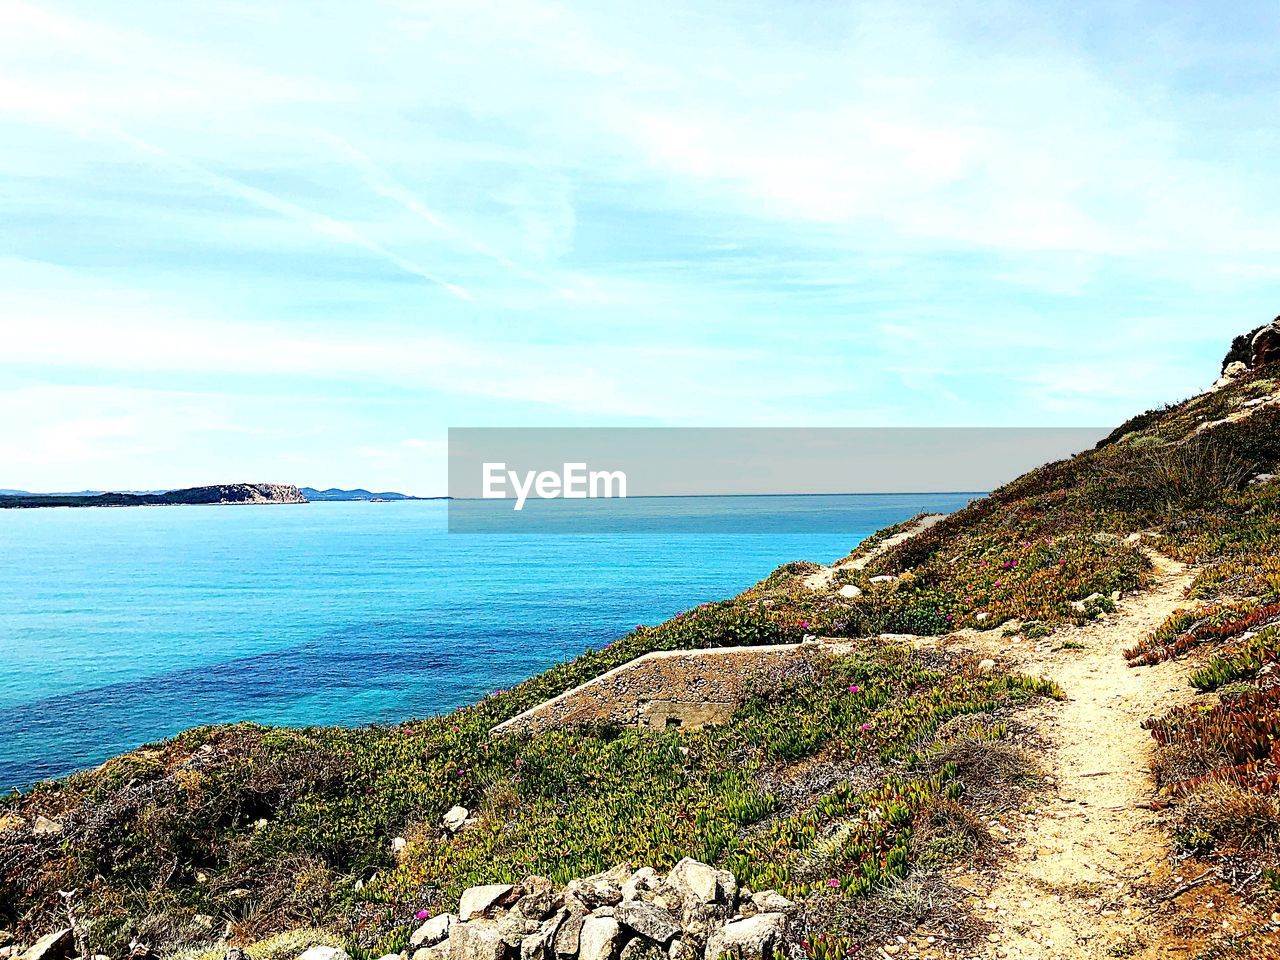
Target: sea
x: 123, y: 626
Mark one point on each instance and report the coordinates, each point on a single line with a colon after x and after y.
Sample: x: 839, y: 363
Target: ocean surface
x: 122, y: 626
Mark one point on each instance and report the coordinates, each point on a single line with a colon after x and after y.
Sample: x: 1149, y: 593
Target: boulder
x: 594, y: 892
x: 541, y: 944
x: 644, y: 879
x: 647, y: 920
x: 850, y: 591
x: 566, y: 939
x: 477, y: 940
x: 638, y: 948
x: 757, y: 938
x: 513, y: 927
x: 323, y: 952
x: 540, y: 898
x: 433, y: 931
x: 52, y: 946
x: 770, y: 901
x: 1266, y: 345
x: 439, y: 951
x: 455, y: 819
x: 44, y: 827
x: 600, y: 939
x: 477, y: 901
x: 695, y: 879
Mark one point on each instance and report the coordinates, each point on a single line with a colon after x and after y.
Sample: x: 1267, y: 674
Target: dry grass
x: 1233, y: 816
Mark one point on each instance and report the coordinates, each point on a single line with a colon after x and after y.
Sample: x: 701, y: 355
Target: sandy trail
x: 1081, y: 871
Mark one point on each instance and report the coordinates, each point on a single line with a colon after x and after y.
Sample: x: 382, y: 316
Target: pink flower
x: 804, y: 624
x: 854, y: 688
x: 865, y: 726
x: 422, y: 914
x: 833, y: 882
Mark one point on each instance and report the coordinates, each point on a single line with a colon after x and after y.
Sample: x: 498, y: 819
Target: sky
x: 295, y: 242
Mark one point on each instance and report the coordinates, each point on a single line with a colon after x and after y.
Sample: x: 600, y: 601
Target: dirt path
x: 1081, y: 871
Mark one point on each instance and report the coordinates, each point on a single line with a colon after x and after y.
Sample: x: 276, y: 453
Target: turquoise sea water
x: 123, y: 626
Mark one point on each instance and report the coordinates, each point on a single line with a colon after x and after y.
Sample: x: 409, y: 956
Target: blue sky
x: 295, y: 242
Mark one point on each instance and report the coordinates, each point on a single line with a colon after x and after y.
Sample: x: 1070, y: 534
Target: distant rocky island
x: 218, y: 493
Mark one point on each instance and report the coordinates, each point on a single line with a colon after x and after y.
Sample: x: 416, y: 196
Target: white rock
x: 476, y: 900
x: 398, y: 845
x: 770, y: 901
x: 850, y: 591
x: 321, y: 952
x: 981, y: 615
x: 757, y: 938
x: 455, y: 819
x: 599, y: 939
x: 986, y: 666
x: 883, y: 578
x: 478, y: 940
x: 433, y: 931
x: 52, y: 946
x: 694, y: 878
x: 46, y: 828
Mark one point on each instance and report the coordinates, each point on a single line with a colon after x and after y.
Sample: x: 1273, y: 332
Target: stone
x: 638, y: 948
x: 677, y: 950
x: 883, y: 578
x: 44, y: 827
x: 770, y: 901
x: 477, y: 940
x: 643, y: 880
x: 398, y: 845
x: 850, y: 591
x: 513, y: 927
x: 986, y: 666
x: 981, y: 615
x: 455, y: 819
x: 322, y: 952
x: 695, y: 879
x: 52, y: 946
x: 1234, y: 369
x: 439, y: 951
x: 600, y: 939
x: 540, y: 945
x: 477, y: 901
x: 1266, y: 346
x: 539, y: 905
x: 567, y: 937
x: 594, y: 892
x: 647, y: 920
x: 433, y: 931
x: 757, y: 938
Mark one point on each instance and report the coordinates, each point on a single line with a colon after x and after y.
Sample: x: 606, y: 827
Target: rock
x: 647, y: 920
x: 433, y: 931
x: 398, y: 845
x: 539, y: 906
x: 638, y: 948
x: 477, y: 940
x: 477, y: 901
x: 981, y: 615
x: 883, y: 578
x: 770, y: 901
x: 644, y: 879
x: 850, y: 591
x: 1234, y: 369
x: 986, y: 666
x: 321, y: 952
x: 566, y: 938
x: 44, y: 827
x: 695, y: 879
x: 1262, y: 478
x: 600, y: 939
x: 726, y: 888
x: 455, y: 818
x: 440, y: 951
x: 513, y: 927
x: 1266, y: 346
x: 594, y: 892
x: 540, y: 945
x: 758, y: 938
x: 677, y: 950
x: 52, y: 946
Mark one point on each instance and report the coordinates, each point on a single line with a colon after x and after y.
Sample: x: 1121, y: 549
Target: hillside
x: 1049, y: 731
x: 189, y: 496
x: 334, y: 493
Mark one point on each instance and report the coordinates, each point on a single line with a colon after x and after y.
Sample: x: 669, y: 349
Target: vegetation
x: 836, y: 785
